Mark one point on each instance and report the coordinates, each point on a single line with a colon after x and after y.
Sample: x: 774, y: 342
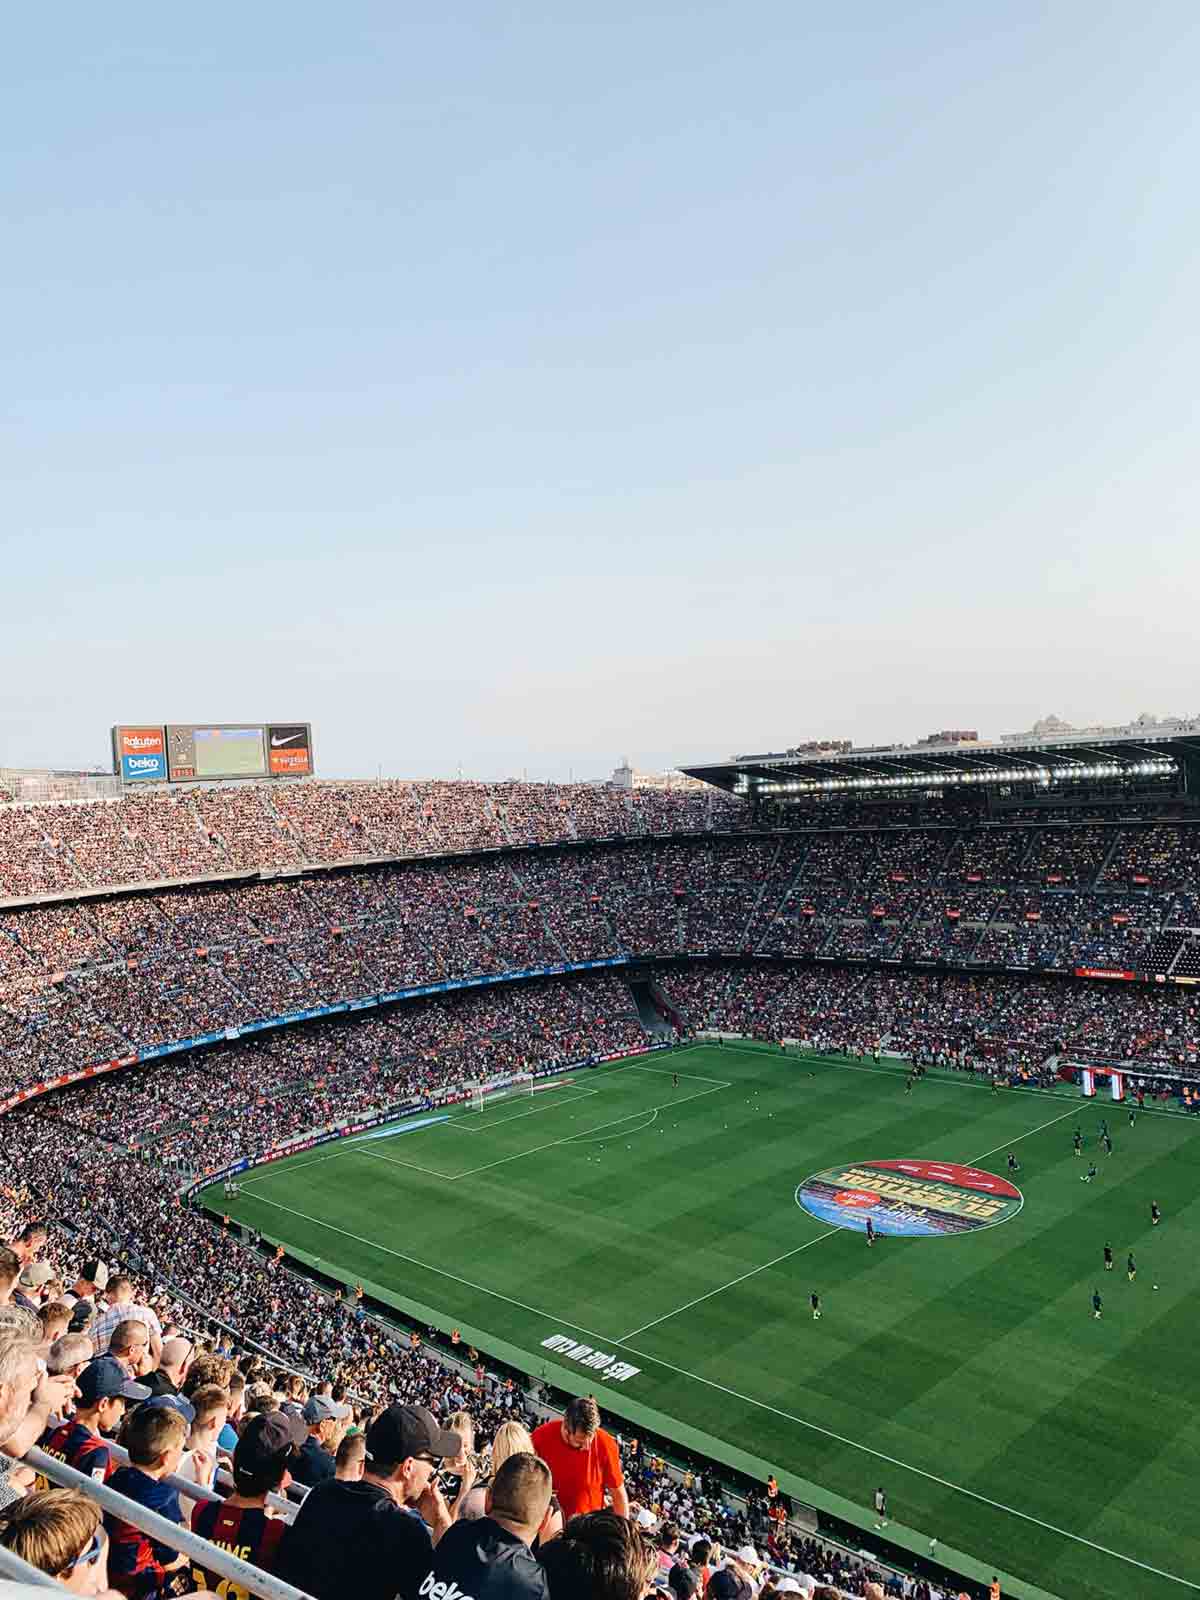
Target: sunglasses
x: 93, y: 1551
x: 434, y: 1461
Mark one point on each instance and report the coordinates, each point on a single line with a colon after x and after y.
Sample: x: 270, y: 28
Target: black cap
x: 726, y: 1585
x: 105, y: 1377
x: 684, y: 1581
x: 266, y: 1442
x: 403, y: 1431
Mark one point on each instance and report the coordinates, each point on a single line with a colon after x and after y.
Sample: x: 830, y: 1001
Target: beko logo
x: 144, y: 763
x: 443, y: 1590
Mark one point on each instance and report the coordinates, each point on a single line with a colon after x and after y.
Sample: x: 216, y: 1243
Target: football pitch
x: 646, y: 1241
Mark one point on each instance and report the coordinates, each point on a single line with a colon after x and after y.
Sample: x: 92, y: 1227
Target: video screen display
x: 216, y: 751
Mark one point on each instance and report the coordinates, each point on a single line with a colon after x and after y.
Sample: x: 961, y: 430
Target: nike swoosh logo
x: 291, y: 739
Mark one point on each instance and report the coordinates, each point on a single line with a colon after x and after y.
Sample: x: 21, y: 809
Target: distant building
x: 1053, y: 727
x: 951, y: 736
x: 624, y: 777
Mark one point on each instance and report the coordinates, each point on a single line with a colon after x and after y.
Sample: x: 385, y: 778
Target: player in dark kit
x: 1013, y: 1164
x: 1107, y: 1143
x: 1090, y: 1174
x: 1108, y: 1258
x: 814, y: 1301
x: 870, y: 1231
x: 1097, y: 1304
x: 1132, y: 1115
x: 1130, y: 1267
x: 1078, y: 1140
x: 1155, y: 1215
x: 674, y: 1080
x: 1104, y: 1127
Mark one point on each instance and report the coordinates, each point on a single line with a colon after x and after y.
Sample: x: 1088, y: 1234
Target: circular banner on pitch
x: 909, y: 1197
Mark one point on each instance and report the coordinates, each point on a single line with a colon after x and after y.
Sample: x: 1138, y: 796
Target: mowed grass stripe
x: 609, y: 1243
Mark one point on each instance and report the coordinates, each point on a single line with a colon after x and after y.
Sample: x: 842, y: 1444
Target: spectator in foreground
x: 139, y: 1566
x: 130, y: 1345
x: 167, y: 1375
x: 58, y: 1531
x: 361, y: 1539
x: 512, y: 1438
x: 261, y: 1466
x: 199, y: 1463
x: 584, y: 1459
x: 600, y: 1556
x: 351, y: 1458
x: 323, y: 1418
x: 25, y: 1410
x: 489, y: 1557
x: 104, y: 1392
x: 122, y: 1307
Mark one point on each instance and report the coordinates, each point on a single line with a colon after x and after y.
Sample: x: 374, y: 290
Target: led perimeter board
x: 194, y: 752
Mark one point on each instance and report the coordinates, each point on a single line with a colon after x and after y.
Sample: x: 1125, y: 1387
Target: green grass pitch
x: 659, y: 1226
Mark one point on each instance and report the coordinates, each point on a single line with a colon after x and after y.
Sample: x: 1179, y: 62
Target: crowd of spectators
x: 95, y: 979
x: 207, y: 830
x: 1008, y: 1021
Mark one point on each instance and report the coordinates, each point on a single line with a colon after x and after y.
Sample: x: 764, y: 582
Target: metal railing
x: 172, y: 1534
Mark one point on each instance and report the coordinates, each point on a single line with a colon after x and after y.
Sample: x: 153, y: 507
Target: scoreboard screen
x: 199, y: 752
x: 217, y: 750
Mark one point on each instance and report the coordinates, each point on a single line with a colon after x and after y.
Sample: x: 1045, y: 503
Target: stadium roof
x: 1141, y: 754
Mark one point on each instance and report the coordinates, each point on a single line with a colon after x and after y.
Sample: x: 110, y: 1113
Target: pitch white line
x: 1073, y: 1112
x: 786, y: 1256
x: 734, y: 1394
x: 467, y: 1124
x: 666, y: 1317
x: 603, y: 1138
x: 567, y: 1138
x: 395, y: 1161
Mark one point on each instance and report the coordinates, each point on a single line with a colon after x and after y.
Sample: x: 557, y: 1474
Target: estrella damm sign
x: 909, y: 1197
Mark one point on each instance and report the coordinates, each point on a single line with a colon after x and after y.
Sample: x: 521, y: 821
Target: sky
x: 517, y: 388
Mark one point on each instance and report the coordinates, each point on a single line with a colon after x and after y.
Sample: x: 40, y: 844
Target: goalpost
x: 477, y: 1095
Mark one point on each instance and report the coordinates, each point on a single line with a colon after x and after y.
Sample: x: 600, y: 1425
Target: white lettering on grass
x: 600, y: 1361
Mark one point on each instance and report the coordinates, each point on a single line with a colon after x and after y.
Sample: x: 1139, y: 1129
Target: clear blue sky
x: 521, y: 387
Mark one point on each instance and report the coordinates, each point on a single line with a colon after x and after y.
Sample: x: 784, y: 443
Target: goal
x: 478, y: 1095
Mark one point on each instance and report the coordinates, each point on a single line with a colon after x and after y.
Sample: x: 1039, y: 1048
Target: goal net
x: 480, y: 1094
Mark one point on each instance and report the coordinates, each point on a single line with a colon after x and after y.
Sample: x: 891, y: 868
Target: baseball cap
x: 403, y: 1431
x: 788, y: 1586
x: 266, y: 1437
x: 750, y: 1556
x: 104, y: 1378
x: 321, y: 1409
x: 35, y: 1275
x: 726, y: 1585
x: 174, y: 1402
x: 95, y: 1272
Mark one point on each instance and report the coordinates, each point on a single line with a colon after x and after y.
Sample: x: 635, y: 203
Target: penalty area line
x: 734, y: 1394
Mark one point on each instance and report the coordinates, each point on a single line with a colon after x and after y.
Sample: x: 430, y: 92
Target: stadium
x: 788, y: 1110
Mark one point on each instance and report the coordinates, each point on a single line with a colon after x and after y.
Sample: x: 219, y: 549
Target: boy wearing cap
x: 241, y: 1524
x: 374, y: 1539
x: 104, y: 1392
x: 139, y: 1566
x: 322, y: 1417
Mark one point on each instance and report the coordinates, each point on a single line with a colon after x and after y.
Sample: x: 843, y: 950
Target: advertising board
x: 139, y: 754
x: 289, y: 749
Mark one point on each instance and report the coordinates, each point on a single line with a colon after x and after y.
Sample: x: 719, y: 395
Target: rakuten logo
x: 142, y: 741
x: 443, y: 1591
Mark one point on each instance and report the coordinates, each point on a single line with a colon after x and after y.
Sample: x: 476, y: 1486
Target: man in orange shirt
x: 583, y: 1460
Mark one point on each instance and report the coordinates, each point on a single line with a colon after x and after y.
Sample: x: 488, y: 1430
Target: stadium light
x: 1043, y: 776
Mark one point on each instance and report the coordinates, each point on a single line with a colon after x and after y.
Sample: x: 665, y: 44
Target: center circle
x: 909, y: 1197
